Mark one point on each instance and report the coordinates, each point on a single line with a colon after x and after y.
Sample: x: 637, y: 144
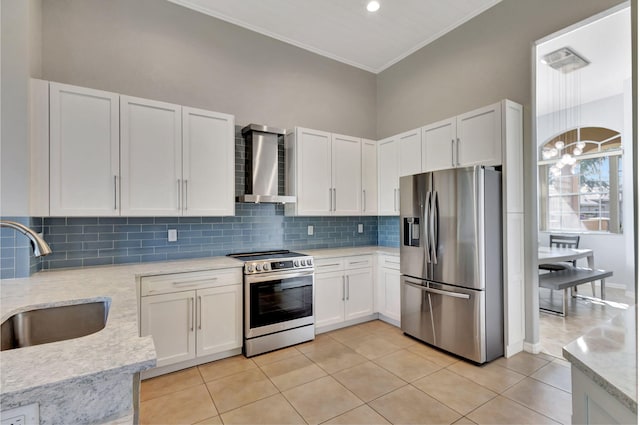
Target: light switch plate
x: 360, y: 228
x: 23, y: 415
x: 310, y: 230
x: 172, y: 235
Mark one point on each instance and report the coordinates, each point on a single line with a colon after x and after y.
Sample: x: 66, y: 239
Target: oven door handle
x: 277, y: 275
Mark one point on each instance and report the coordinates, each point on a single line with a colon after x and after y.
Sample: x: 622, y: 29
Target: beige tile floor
x: 365, y: 374
x: 583, y: 315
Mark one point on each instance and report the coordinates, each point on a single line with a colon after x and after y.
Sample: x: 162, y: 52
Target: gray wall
x: 480, y: 62
x: 159, y: 50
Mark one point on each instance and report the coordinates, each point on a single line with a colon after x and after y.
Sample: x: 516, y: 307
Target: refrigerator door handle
x: 436, y: 291
x: 427, y: 227
x: 435, y: 228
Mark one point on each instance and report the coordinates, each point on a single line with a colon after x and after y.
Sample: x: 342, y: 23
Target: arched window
x: 581, y: 181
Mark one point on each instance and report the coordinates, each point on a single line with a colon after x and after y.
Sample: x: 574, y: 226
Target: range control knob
x: 295, y: 263
x: 250, y: 268
x: 266, y: 266
x: 258, y: 267
x: 309, y: 262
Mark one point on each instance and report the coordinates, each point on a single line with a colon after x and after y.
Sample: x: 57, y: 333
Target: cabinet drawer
x: 176, y: 282
x: 390, y: 262
x: 359, y: 262
x: 326, y: 265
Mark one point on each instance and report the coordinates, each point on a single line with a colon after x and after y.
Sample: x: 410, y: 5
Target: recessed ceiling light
x: 373, y: 6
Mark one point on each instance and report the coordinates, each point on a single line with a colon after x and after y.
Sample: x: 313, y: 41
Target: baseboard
x: 335, y: 326
x: 157, y: 371
x: 389, y: 320
x: 513, y: 348
x: 533, y: 348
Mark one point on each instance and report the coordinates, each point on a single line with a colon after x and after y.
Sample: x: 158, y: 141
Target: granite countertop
x: 607, y: 354
x: 116, y: 348
x: 348, y: 251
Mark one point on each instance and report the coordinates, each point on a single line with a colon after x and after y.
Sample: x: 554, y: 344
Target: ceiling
x: 344, y: 30
x: 606, y: 44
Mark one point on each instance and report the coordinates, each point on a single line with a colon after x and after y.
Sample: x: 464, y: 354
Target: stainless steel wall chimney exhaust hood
x: 261, y: 165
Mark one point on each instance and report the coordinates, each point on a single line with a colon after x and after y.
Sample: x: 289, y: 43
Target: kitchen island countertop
x: 29, y: 372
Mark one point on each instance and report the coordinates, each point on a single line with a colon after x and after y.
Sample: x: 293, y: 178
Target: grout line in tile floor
x: 352, y: 335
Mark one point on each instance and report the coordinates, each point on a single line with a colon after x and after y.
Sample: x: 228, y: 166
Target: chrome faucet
x: 40, y: 247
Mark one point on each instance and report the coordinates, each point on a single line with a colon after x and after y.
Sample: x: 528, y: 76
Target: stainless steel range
x: 278, y: 300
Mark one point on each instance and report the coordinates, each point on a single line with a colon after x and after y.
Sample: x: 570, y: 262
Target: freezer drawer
x: 448, y: 317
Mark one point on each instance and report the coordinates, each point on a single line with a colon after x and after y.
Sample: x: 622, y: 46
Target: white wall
x: 611, y: 251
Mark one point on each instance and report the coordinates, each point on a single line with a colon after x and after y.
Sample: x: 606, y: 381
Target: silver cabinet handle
x: 458, y: 150
x: 178, y: 193
x: 191, y: 314
x: 395, y: 207
x: 328, y: 265
x: 437, y: 291
x: 364, y: 200
x: 348, y: 288
x: 193, y: 282
x: 186, y: 194
x: 453, y: 150
x: 115, y: 192
x: 335, y: 200
x: 330, y: 199
x: 199, y: 311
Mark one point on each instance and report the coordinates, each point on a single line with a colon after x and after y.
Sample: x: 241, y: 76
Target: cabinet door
x: 219, y: 319
x: 313, y: 157
x: 438, y: 145
x: 410, y: 146
x: 390, y: 298
x: 479, y: 137
x: 169, y: 319
x: 208, y: 164
x: 359, y: 293
x: 369, y: 177
x: 329, y: 298
x: 84, y: 143
x: 346, y: 174
x: 388, y: 177
x: 151, y: 157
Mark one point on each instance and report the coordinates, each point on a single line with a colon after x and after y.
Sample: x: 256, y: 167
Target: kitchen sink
x: 41, y: 326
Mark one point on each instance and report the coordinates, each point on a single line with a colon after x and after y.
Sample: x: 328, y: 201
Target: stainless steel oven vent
x: 261, y: 165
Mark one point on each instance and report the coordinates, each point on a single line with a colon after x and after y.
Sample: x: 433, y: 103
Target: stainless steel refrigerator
x: 451, y: 261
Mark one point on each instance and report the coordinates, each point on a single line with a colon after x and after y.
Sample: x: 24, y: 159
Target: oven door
x: 277, y: 301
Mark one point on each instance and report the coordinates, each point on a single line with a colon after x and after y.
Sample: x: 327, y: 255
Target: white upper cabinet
x: 369, y: 177
x: 388, y: 174
x: 410, y: 152
x: 309, y: 172
x: 479, y: 137
x: 473, y: 138
x: 151, y: 157
x: 346, y: 174
x: 438, y: 145
x: 324, y: 172
x: 84, y: 156
x: 208, y: 164
x: 96, y: 153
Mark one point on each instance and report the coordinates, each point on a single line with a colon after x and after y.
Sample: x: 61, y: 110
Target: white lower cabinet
x: 343, y: 290
x: 191, y: 315
x: 388, y: 300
